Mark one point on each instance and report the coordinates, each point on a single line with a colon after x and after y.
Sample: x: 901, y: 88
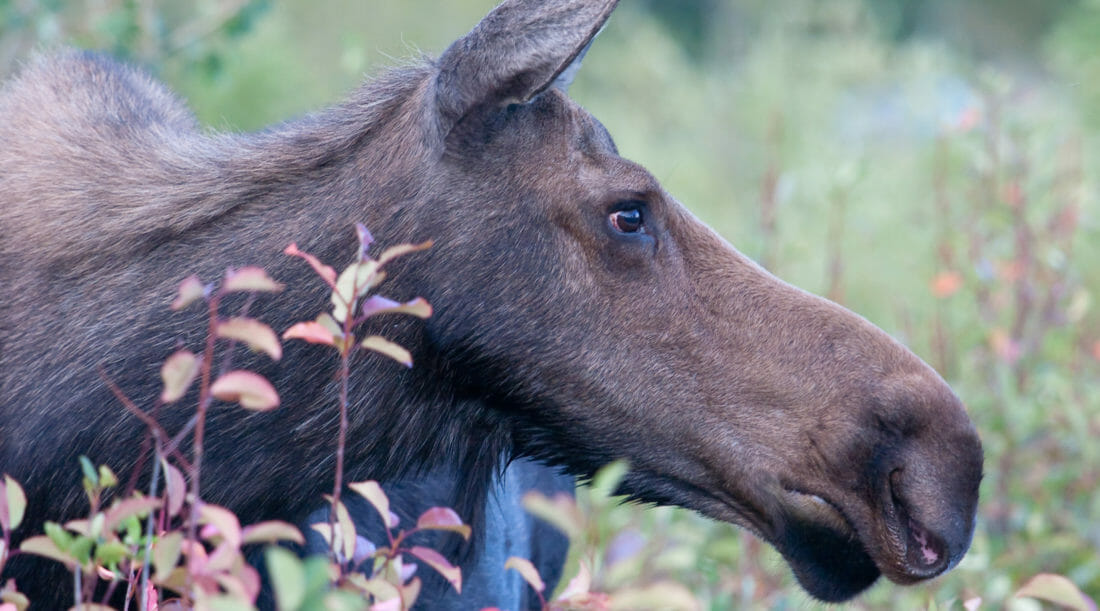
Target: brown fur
x: 555, y: 337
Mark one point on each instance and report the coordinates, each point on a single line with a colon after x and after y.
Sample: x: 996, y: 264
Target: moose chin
x: 583, y: 315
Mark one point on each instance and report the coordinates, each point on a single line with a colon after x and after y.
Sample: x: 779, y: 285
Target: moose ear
x: 519, y: 50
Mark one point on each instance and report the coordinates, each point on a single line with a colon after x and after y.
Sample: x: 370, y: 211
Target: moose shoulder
x: 582, y: 314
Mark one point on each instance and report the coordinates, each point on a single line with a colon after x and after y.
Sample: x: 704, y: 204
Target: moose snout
x: 929, y: 492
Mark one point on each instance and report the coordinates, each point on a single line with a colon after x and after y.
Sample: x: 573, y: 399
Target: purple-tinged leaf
x: 325, y: 272
x: 443, y: 518
x: 380, y: 305
x: 225, y: 522
x: 190, y: 290
x: 133, y: 506
x: 175, y: 488
x: 255, y: 334
x: 251, y: 390
x: 384, y: 346
x: 526, y: 570
x: 374, y: 494
x: 365, y: 240
x: 436, y: 560
x: 177, y: 373
x: 249, y: 279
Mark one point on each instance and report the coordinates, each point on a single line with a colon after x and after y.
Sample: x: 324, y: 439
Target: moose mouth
x: 829, y: 554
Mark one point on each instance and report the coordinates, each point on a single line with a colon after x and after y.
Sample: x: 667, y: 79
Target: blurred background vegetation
x: 931, y: 164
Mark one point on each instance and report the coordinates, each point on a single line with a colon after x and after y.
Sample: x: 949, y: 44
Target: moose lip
x: 828, y: 554
x: 823, y: 548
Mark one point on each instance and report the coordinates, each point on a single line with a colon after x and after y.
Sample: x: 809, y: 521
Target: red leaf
x: 443, y: 518
x: 946, y: 284
x: 312, y: 332
x: 251, y: 390
x: 325, y: 272
x: 435, y: 560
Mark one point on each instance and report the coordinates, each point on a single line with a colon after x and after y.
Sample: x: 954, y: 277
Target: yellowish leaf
x: 190, y: 290
x: 255, y: 334
x: 177, y: 373
x: 251, y: 390
x: 384, y: 346
x: 250, y: 279
x: 526, y: 570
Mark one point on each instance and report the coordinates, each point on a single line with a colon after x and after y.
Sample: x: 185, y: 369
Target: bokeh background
x: 931, y: 164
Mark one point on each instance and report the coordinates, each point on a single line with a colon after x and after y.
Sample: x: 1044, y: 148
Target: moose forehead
x: 551, y: 124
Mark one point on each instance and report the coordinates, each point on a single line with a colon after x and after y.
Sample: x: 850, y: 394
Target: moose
x: 582, y: 315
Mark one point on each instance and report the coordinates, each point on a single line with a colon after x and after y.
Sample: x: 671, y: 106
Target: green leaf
x: 111, y: 553
x: 1058, y: 590
x: 374, y: 494
x: 190, y: 290
x: 81, y: 549
x: 251, y: 390
x: 177, y: 373
x: 661, y: 595
x: 166, y: 554
x: 249, y: 279
x: 607, y: 479
x: 384, y: 346
x: 60, y: 537
x: 435, y: 560
x: 255, y: 334
x: 13, y: 505
x: 287, y: 577
x: 526, y: 570
x: 107, y: 477
x: 443, y: 518
x: 91, y: 477
x: 560, y: 512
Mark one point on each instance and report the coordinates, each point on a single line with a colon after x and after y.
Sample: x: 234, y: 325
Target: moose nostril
x: 923, y: 550
x: 924, y: 553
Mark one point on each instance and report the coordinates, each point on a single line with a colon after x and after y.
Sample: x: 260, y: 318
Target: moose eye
x: 628, y: 220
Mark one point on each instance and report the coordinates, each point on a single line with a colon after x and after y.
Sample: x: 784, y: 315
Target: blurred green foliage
x: 931, y: 165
